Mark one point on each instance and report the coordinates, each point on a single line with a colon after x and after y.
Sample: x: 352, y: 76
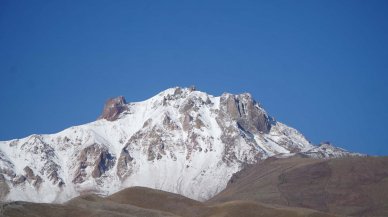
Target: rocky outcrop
x: 4, y: 188
x: 20, y: 179
x: 94, y: 158
x: 35, y: 180
x: 125, y: 164
x: 240, y: 118
x: 6, y: 166
x: 326, y: 150
x: 246, y: 112
x: 39, y: 150
x: 113, y: 108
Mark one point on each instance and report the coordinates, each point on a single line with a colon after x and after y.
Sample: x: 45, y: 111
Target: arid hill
x: 352, y: 186
x: 140, y: 201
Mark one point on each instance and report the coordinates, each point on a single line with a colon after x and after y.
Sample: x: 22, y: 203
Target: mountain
x: 139, y: 201
x: 181, y: 140
x: 350, y: 186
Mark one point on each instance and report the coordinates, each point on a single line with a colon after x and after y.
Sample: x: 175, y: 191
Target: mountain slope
x: 137, y: 201
x: 181, y: 140
x: 352, y: 186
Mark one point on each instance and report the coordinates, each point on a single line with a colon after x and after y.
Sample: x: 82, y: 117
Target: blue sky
x: 319, y: 66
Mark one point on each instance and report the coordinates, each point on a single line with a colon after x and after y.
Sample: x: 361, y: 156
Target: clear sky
x: 318, y: 66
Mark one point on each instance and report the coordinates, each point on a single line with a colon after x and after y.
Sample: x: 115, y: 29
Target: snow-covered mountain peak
x: 181, y: 140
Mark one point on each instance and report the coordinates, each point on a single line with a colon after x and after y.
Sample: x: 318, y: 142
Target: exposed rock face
x: 246, y: 112
x: 181, y: 140
x: 43, y: 164
x: 95, y: 158
x: 250, y: 120
x: 326, y: 150
x: 113, y: 108
x: 125, y: 164
x: 4, y: 189
x: 31, y: 177
x: 6, y: 166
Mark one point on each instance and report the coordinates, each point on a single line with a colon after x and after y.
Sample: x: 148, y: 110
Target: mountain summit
x: 181, y: 140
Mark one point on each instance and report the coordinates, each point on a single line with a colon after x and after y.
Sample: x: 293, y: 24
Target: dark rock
x: 113, y: 108
x: 104, y: 163
x: 187, y: 106
x: 37, y: 182
x: 124, y: 164
x: 29, y: 173
x: 4, y: 188
x: 173, y: 156
x: 7, y: 166
x: 249, y: 119
x: 186, y: 125
x: 248, y: 114
x: 178, y: 91
x: 94, y: 156
x: 169, y: 124
x: 150, y: 153
x: 7, y: 172
x: 198, y: 123
x: 192, y: 88
x: 54, y: 177
x: 19, y: 180
x: 147, y: 123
